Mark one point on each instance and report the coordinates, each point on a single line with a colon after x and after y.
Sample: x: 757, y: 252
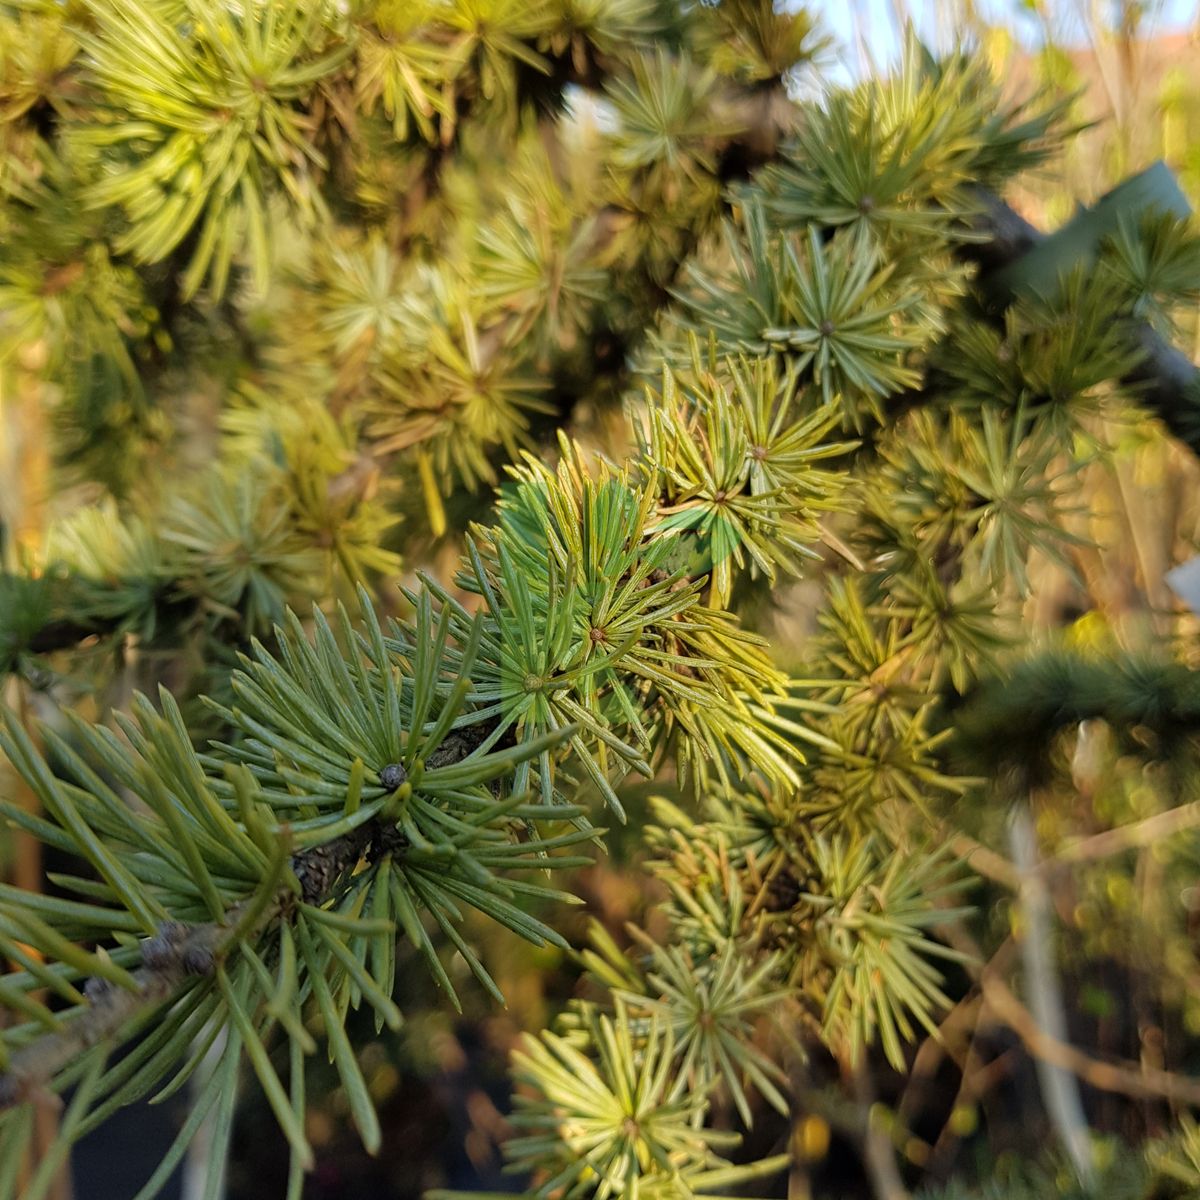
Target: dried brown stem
x: 1132, y: 836
x: 1128, y: 1079
x: 1125, y: 1078
x: 879, y: 1155
x: 1135, y: 835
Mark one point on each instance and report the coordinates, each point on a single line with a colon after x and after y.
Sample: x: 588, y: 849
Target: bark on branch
x: 181, y: 953
x: 177, y: 954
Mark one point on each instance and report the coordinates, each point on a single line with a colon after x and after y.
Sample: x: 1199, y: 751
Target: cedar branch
x: 1165, y: 380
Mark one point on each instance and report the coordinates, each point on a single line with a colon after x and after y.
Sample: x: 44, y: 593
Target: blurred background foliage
x: 285, y: 290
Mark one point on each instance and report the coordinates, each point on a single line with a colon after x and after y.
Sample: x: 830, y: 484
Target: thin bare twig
x: 879, y: 1155
x: 1123, y: 1077
x: 1128, y: 1079
x: 985, y: 862
x: 1060, y: 1088
x: 1133, y: 836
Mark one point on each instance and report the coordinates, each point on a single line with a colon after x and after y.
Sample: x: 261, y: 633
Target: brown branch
x: 985, y: 862
x: 318, y: 870
x: 977, y: 1077
x: 1133, y: 836
x: 1043, y: 984
x: 180, y: 952
x: 879, y: 1154
x: 1126, y: 1078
